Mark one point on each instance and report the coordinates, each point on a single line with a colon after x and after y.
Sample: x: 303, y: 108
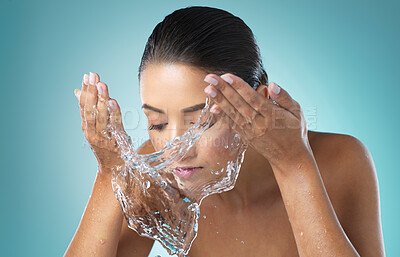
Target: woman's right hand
x: 95, y: 116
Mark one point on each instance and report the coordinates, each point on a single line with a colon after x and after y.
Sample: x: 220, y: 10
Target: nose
x: 178, y: 129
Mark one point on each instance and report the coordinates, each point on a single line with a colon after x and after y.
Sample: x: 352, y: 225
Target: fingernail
x: 112, y: 104
x: 100, y: 88
x: 85, y: 79
x: 210, y: 91
x: 275, y: 88
x: 227, y: 78
x: 211, y: 80
x: 214, y: 109
x: 92, y: 78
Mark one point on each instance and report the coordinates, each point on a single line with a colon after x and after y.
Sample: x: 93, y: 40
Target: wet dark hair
x: 207, y: 38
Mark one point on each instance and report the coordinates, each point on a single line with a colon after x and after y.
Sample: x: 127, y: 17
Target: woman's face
x: 173, y: 97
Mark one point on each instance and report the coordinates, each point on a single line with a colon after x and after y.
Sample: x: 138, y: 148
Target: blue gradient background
x: 338, y: 59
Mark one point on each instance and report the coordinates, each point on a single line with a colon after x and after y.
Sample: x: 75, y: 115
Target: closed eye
x: 158, y: 127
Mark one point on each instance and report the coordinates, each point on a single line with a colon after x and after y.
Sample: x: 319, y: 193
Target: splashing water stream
x: 162, y: 203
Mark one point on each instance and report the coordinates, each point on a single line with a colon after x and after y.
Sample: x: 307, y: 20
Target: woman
x: 299, y: 192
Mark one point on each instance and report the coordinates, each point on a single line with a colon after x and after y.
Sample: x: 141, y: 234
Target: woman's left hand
x: 278, y: 132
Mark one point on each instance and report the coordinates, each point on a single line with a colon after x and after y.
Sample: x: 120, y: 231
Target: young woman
x: 299, y: 192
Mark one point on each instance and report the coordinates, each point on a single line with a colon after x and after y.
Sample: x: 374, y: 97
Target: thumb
x: 115, y: 114
x: 263, y: 90
x: 77, y: 93
x: 282, y: 97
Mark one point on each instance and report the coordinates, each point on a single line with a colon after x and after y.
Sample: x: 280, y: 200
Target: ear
x: 262, y: 89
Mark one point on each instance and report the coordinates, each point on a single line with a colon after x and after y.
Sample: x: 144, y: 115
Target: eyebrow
x: 188, y: 109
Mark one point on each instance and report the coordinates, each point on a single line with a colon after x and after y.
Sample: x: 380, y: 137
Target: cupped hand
x: 277, y: 130
x: 96, y: 115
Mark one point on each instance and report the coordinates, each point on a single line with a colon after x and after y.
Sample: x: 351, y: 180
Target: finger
x: 231, y: 123
x: 247, y: 131
x: 77, y: 93
x: 115, y: 114
x: 282, y: 97
x: 230, y: 94
x: 82, y: 99
x: 91, y: 106
x: 250, y: 96
x: 227, y: 107
x: 96, y: 77
x: 103, y: 90
x: 102, y: 110
x: 263, y: 90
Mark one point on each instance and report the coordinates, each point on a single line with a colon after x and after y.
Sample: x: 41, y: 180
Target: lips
x: 185, y: 172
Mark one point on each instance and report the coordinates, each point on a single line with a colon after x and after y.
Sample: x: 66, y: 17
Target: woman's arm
x: 277, y: 129
x: 315, y: 225
x: 99, y: 231
x: 100, y: 227
x: 103, y: 230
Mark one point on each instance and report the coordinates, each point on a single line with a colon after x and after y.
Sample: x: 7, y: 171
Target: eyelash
x: 157, y: 127
x: 161, y: 126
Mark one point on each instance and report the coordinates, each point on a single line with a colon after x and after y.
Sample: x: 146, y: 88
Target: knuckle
x: 242, y: 123
x: 252, y: 101
x: 218, y: 98
x: 254, y: 116
x: 236, y: 84
x: 221, y: 86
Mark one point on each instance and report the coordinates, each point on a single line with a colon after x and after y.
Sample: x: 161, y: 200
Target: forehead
x: 172, y: 86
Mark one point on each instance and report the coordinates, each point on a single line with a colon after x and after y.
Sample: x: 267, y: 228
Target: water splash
x: 158, y: 202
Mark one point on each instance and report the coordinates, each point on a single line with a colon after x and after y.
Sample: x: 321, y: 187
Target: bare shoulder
x: 130, y: 243
x: 349, y: 175
x: 342, y: 156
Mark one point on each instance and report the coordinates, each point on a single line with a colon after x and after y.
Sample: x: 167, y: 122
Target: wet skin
x: 252, y: 219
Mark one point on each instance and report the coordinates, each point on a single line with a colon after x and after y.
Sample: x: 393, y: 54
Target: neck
x: 255, y: 184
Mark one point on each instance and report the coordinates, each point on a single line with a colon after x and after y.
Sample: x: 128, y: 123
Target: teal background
x: 338, y: 59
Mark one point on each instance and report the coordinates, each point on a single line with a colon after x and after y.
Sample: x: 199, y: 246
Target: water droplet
x: 179, y: 221
x: 242, y: 242
x: 301, y: 233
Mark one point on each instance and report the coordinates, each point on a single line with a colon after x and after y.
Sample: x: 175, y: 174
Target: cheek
x: 215, y: 145
x: 157, y: 141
